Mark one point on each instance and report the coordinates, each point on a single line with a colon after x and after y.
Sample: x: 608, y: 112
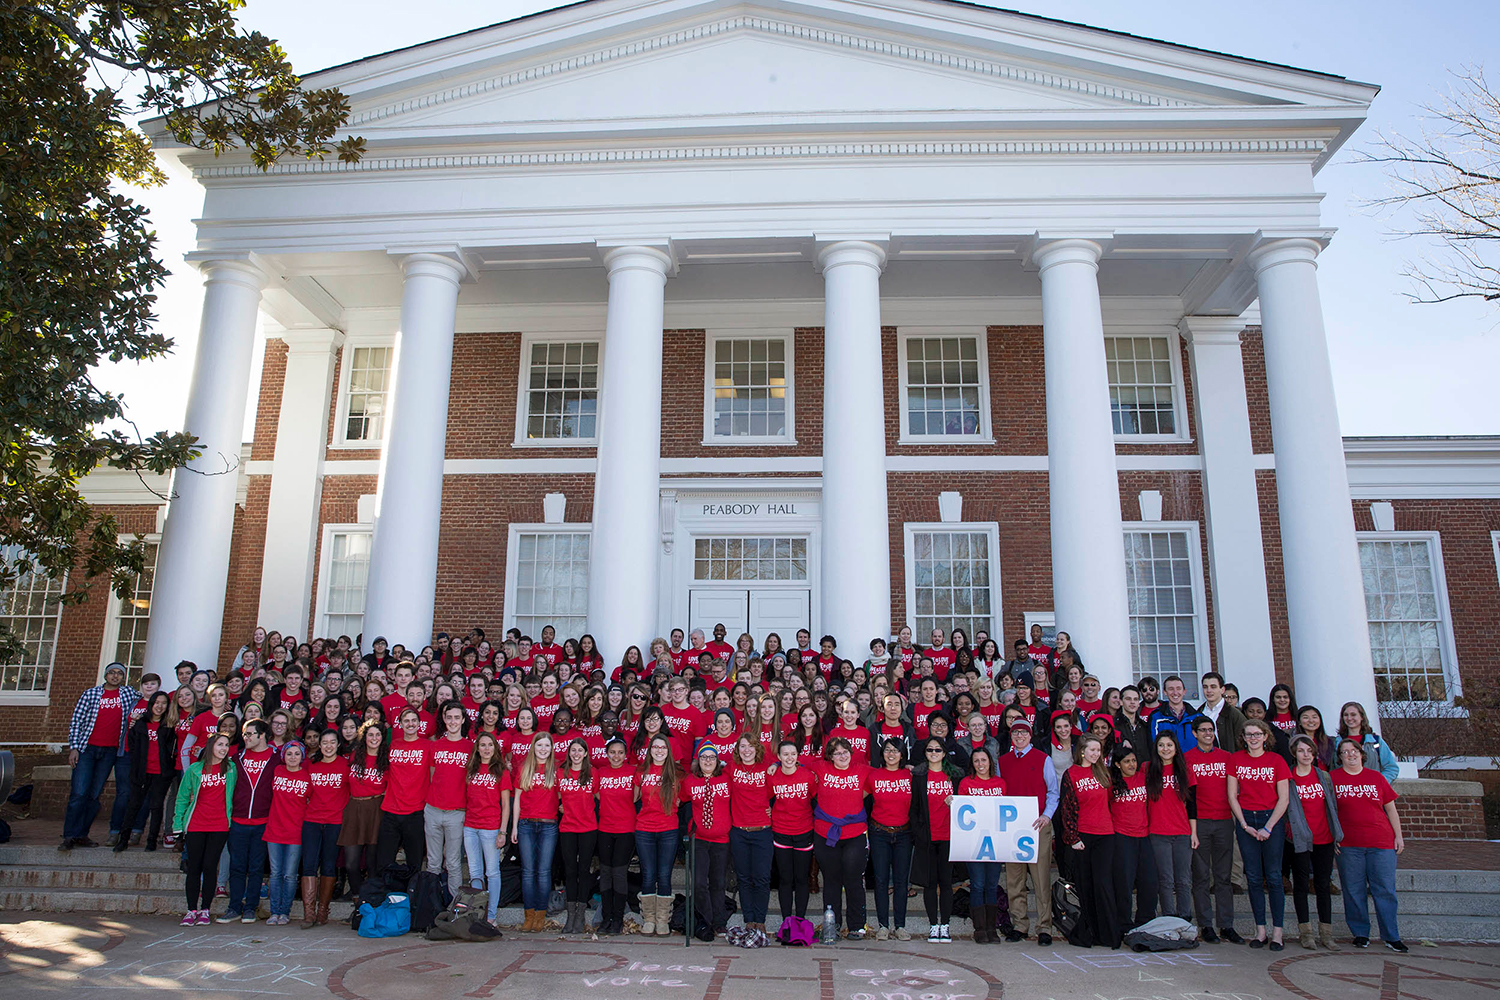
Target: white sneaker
x: 884, y: 934
x: 902, y: 934
x: 944, y: 932
x: 934, y: 934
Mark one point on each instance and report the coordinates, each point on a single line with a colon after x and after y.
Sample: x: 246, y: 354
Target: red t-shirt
x: 366, y: 779
x: 687, y: 726
x: 939, y: 787
x: 392, y: 704
x: 538, y: 801
x: 1128, y: 810
x: 1093, y: 801
x: 943, y: 660
x: 181, y: 730
x: 994, y: 716
x: 450, y: 761
x: 1287, y: 724
x: 553, y: 653
x: 406, y: 778
x: 153, y: 749
x: 1211, y: 775
x: 1361, y: 800
x: 330, y: 791
x: 203, y: 724
x: 792, y: 800
x: 723, y: 744
x: 749, y: 795
x: 721, y: 650
x: 652, y: 817
x: 136, y: 711
x: 1257, y: 777
x: 560, y: 742
x: 1169, y: 816
x: 1310, y: 794
x: 919, y: 716
x: 578, y: 814
x: 482, y: 801
x: 840, y: 794
x: 982, y: 786
x: 288, y: 806
x: 286, y: 699
x: 711, y: 825
x: 210, y: 810
x: 686, y: 658
x: 516, y: 747
x: 615, y: 787
x: 858, y: 737
x: 471, y: 708
x: 545, y: 708
x: 892, y: 793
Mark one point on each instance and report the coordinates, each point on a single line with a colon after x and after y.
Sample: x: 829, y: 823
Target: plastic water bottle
x: 830, y: 933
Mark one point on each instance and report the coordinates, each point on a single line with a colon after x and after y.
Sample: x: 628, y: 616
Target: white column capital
x: 1068, y: 251
x: 1288, y: 251
x: 845, y: 252
x: 638, y: 257
x: 1211, y: 331
x: 315, y: 342
x: 240, y: 269
x: 433, y: 265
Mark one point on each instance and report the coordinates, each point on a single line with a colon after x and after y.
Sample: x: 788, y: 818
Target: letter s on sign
x: 1025, y: 848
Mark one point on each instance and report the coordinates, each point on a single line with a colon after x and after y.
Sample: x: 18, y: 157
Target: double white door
x: 780, y: 610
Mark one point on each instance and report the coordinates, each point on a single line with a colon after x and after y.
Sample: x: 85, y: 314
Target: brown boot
x: 1307, y: 937
x: 325, y: 896
x: 309, y: 902
x: 1325, y: 937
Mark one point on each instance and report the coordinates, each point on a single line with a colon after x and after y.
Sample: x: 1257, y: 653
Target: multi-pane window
x: 348, y: 575
x: 1407, y: 619
x: 943, y: 386
x: 134, y: 619
x: 750, y: 559
x: 552, y: 582
x: 31, y: 609
x: 1140, y: 384
x: 562, y: 394
x: 749, y: 388
x: 369, y: 379
x: 1163, y: 612
x: 951, y: 581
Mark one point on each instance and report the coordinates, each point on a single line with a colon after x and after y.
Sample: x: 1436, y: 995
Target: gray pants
x: 444, y: 830
x: 1212, y: 862
x: 1174, y: 873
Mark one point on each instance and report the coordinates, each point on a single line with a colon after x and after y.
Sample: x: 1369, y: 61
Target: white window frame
x: 710, y: 340
x: 112, y: 620
x: 1200, y: 594
x: 523, y: 383
x: 981, y: 335
x: 990, y: 528
x: 513, y: 552
x: 1046, y: 619
x: 325, y: 568
x: 1179, y: 392
x: 340, y: 439
x: 1447, y: 649
x: 42, y: 697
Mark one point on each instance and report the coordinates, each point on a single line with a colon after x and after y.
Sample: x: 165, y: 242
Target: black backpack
x: 429, y: 897
x: 1067, y: 913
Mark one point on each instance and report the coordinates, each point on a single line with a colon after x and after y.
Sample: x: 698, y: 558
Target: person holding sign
x: 1088, y: 830
x: 839, y: 842
x: 933, y: 782
x: 984, y: 876
x: 1029, y: 771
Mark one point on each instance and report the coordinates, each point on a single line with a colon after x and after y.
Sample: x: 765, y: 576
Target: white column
x: 402, y: 585
x: 192, y: 567
x: 1236, y: 558
x: 286, y: 572
x: 856, y: 570
x: 624, y: 561
x: 1319, y: 554
x: 1088, y: 548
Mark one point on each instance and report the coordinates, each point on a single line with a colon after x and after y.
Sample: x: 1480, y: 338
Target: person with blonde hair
x: 533, y: 826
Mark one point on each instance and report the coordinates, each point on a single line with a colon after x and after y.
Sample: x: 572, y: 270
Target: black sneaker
x: 1231, y: 935
x: 1397, y: 946
x: 1014, y: 935
x: 66, y: 845
x: 1209, y: 936
x: 1044, y: 940
x: 1361, y: 942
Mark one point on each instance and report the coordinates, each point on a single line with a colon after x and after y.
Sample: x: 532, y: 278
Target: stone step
x: 49, y: 857
x: 76, y: 877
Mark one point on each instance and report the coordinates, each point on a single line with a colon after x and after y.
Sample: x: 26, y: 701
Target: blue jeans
x: 891, y: 855
x: 1263, y: 865
x: 1369, y: 871
x: 285, y: 863
x: 89, y: 776
x: 117, y: 819
x: 320, y: 848
x: 484, y: 864
x: 657, y: 851
x: 538, y: 842
x: 751, y: 850
x: 984, y: 882
x: 247, y: 859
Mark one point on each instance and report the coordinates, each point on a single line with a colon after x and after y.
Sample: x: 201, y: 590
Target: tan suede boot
x: 664, y: 916
x: 1325, y: 937
x: 1307, y: 937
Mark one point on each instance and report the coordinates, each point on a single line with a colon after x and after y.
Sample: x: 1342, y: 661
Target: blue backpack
x: 391, y: 918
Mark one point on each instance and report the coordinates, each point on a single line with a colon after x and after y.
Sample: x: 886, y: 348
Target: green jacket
x: 187, y: 794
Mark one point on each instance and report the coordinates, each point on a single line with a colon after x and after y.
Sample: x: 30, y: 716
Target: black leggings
x: 203, y: 850
x: 1094, y: 869
x: 843, y: 869
x: 937, y: 893
x: 615, y: 850
x: 793, y: 872
x: 1316, y: 864
x: 577, y: 851
x: 152, y: 791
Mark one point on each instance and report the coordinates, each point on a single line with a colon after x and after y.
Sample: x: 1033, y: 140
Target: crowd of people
x: 789, y: 765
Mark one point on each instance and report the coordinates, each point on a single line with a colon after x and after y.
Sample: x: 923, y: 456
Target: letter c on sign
x: 966, y: 817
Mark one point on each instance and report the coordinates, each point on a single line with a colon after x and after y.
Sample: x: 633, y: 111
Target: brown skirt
x: 361, y: 822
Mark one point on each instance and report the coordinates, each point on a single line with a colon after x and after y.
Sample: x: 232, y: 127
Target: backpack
x: 1067, y: 912
x: 463, y: 920
x: 1163, y: 934
x: 429, y: 897
x: 391, y: 918
x: 796, y: 931
x: 960, y: 907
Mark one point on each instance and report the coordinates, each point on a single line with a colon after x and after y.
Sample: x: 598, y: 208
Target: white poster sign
x: 992, y: 828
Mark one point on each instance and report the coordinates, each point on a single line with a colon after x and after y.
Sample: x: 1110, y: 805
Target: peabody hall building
x: 785, y: 313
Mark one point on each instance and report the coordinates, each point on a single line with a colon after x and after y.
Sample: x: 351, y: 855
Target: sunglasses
x: 933, y: 750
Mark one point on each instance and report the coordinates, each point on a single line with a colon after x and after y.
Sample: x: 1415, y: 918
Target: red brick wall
x: 268, y: 402
x: 242, y: 600
x: 1441, y: 817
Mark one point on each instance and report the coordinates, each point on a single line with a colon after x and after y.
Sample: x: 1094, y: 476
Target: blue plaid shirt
x: 87, y: 712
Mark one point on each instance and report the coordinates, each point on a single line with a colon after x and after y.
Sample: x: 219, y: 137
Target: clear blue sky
x: 1399, y: 368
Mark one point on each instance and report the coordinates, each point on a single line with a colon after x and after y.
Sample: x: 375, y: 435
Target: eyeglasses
x: 933, y: 750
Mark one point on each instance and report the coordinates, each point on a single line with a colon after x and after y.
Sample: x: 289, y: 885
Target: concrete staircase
x: 1434, y: 905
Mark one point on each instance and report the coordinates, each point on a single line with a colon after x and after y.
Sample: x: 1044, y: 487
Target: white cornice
x: 1439, y: 468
